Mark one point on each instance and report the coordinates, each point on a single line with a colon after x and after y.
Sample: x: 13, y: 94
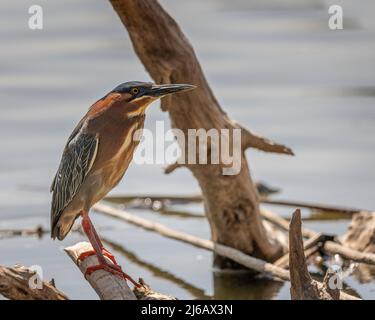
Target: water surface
x: 274, y: 66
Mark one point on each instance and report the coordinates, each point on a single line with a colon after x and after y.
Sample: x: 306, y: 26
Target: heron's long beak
x: 165, y: 89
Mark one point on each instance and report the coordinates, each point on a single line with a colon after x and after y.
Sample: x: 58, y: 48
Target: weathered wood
x: 361, y: 233
x: 303, y: 287
x: 146, y: 293
x: 349, y: 254
x: 241, y: 258
x: 20, y: 283
x: 107, y: 285
x: 329, y: 246
x: 231, y: 202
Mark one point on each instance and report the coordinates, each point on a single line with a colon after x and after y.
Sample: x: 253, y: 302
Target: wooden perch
x: 231, y: 202
x: 303, y: 287
x: 20, y: 283
x: 107, y: 285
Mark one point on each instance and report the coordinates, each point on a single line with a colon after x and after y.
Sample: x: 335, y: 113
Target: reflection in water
x: 243, y: 285
x: 227, y: 285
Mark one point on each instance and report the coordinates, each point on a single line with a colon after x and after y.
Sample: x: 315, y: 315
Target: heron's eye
x: 134, y: 91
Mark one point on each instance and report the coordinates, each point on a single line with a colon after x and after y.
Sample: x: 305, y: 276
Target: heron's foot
x: 115, y: 269
x: 90, y: 253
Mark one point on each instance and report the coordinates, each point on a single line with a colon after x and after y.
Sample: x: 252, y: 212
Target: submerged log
x: 231, y: 201
x: 21, y: 283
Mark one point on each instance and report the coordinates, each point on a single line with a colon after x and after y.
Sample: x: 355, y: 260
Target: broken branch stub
x: 303, y: 287
x: 21, y: 283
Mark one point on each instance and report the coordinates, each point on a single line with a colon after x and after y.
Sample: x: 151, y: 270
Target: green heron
x: 95, y: 158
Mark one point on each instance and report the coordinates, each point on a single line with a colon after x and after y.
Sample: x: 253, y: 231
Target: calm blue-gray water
x: 275, y: 66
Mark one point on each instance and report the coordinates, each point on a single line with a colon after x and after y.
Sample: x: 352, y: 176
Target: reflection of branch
x: 156, y: 271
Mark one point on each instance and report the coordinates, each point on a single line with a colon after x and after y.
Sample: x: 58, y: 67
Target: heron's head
x: 139, y: 95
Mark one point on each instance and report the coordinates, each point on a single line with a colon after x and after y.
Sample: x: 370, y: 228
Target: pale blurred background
x: 275, y: 66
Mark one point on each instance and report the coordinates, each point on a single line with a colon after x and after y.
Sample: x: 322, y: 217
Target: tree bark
x: 231, y: 202
x: 303, y: 287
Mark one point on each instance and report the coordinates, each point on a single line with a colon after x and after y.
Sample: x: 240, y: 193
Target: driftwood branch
x: 20, y: 283
x: 231, y: 202
x: 107, y: 285
x: 252, y: 140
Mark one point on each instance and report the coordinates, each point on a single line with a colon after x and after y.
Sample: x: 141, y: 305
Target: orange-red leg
x: 100, y: 252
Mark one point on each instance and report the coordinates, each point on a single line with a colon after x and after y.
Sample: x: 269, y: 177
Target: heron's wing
x: 75, y: 132
x: 77, y: 160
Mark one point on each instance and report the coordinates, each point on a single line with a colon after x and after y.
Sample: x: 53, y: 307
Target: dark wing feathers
x: 77, y: 160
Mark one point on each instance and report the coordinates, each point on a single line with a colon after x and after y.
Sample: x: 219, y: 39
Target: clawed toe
x: 114, y: 269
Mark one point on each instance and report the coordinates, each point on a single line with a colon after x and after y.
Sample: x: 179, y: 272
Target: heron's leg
x: 96, y: 243
x: 92, y: 235
x: 103, y: 250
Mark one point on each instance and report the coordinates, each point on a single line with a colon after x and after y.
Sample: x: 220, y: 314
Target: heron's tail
x: 62, y: 228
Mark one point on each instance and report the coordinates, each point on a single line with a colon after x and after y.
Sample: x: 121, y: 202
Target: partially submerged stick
x: 231, y: 253
x: 20, y: 283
